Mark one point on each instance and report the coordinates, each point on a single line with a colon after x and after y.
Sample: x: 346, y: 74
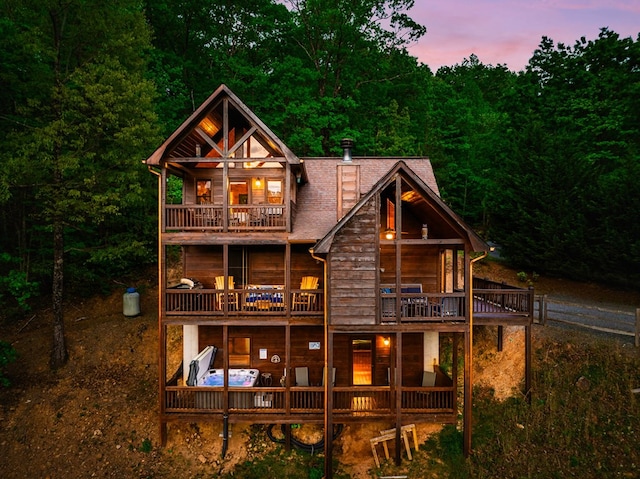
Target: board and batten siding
x: 352, y: 265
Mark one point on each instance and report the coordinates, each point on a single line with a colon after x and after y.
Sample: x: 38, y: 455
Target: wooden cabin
x: 312, y: 290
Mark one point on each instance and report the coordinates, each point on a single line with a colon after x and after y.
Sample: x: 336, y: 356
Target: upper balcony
x: 208, y: 217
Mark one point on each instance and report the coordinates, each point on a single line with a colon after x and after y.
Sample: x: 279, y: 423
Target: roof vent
x: 346, y: 144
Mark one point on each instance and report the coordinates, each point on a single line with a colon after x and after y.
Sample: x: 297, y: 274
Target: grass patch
x: 582, y: 420
x: 279, y: 464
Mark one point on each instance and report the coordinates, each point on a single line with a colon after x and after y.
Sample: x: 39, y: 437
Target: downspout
x: 468, y: 401
x: 225, y: 434
x: 328, y: 423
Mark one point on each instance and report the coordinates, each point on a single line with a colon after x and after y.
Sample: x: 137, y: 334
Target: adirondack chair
x: 303, y: 301
x: 232, y: 297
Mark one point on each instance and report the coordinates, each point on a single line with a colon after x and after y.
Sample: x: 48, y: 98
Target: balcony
x: 235, y: 302
x: 208, y: 217
x: 305, y: 402
x: 490, y: 300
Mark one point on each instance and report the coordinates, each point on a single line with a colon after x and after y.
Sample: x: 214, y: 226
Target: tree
x: 467, y: 141
x: 567, y: 201
x: 342, y: 58
x: 80, y: 126
x: 201, y: 44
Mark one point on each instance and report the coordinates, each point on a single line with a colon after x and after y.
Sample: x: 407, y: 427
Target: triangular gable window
x: 225, y: 132
x: 419, y: 217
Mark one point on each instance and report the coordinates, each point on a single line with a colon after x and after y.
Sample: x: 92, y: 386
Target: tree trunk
x: 59, y: 354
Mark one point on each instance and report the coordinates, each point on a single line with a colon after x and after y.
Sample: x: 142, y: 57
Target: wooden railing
x: 360, y: 400
x: 423, y: 307
x: 503, y: 302
x: 508, y: 301
x: 501, y: 298
x: 238, y: 217
x: 299, y: 302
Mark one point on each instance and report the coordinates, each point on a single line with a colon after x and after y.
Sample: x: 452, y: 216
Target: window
x: 391, y: 215
x: 240, y: 352
x: 203, y: 191
x: 274, y: 192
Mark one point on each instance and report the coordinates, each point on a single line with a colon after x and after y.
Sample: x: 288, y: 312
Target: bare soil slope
x: 97, y: 416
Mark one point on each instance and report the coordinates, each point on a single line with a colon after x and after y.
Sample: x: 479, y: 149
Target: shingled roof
x: 317, y: 200
x: 446, y: 213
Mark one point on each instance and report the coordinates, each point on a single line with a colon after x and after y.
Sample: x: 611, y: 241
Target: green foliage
x: 7, y: 355
x: 279, y: 463
x: 466, y: 137
x: 450, y: 444
x: 16, y: 284
x: 581, y: 421
x: 174, y: 190
x: 146, y: 446
x: 565, y: 200
x: 76, y: 129
x: 544, y: 162
x: 581, y: 418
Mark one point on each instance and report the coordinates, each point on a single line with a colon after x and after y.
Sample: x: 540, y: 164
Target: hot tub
x: 238, y: 378
x: 201, y: 372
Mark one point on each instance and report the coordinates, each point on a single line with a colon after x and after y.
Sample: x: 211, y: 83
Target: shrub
x: 7, y: 355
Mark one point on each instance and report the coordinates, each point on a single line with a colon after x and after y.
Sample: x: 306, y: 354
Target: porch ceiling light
x: 389, y: 234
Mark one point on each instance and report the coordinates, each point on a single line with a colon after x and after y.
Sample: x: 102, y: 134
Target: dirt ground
x: 97, y: 416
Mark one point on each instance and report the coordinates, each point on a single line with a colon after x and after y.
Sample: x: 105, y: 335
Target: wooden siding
x: 303, y: 264
x: 419, y: 266
x: 353, y: 267
x: 203, y: 263
x: 412, y: 359
x: 266, y: 266
x: 272, y: 339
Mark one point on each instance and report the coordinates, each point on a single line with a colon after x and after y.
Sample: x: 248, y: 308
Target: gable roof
x: 190, y: 132
x: 401, y: 168
x: 317, y: 206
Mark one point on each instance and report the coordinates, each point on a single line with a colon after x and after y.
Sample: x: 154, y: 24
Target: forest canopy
x: 544, y: 161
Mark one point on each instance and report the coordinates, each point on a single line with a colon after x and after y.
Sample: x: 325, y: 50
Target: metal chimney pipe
x: 346, y: 144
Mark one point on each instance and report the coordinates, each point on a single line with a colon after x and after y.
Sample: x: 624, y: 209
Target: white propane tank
x: 131, y: 303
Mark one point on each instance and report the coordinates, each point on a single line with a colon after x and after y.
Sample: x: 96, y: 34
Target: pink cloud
x: 508, y: 31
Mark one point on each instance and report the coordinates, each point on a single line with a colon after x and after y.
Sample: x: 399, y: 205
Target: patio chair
x: 232, y: 298
x: 303, y: 301
x: 428, y: 379
x: 333, y: 376
x: 449, y: 307
x: 302, y: 376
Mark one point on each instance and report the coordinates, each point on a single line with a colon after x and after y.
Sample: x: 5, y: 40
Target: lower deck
x: 307, y: 404
x: 375, y: 377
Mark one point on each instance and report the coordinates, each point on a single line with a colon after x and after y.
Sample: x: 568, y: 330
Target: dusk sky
x: 508, y: 31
